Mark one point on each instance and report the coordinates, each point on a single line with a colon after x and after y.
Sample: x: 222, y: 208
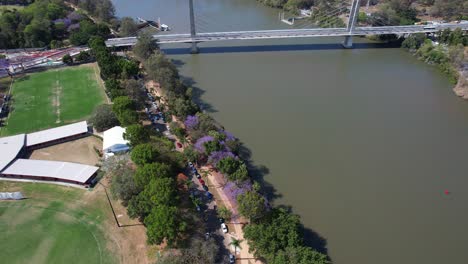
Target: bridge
x: 351, y: 30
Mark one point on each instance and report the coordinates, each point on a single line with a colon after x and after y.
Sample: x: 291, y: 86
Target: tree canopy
x: 143, y: 154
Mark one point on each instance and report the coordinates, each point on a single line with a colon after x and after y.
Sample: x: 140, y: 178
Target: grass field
x: 54, y: 225
x: 53, y: 98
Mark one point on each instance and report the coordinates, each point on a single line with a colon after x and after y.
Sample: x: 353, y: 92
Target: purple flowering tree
x: 74, y: 16
x: 232, y: 190
x: 216, y: 156
x: 191, y: 122
x: 200, y: 144
x: 229, y: 135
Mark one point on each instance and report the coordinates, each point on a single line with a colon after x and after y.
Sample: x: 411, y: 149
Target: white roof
x: 114, y: 138
x: 9, y: 149
x: 56, y: 133
x: 53, y: 169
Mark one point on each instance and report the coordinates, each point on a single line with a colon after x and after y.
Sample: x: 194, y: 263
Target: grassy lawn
x: 10, y: 7
x: 53, y: 98
x: 54, y: 225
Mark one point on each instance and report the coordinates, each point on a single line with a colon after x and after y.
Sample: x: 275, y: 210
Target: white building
x: 114, y: 142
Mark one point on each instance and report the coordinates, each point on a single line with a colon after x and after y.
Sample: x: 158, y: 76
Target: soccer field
x: 53, y: 98
x: 51, y: 227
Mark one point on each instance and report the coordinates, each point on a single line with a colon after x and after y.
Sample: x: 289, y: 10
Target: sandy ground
x: 216, y: 182
x: 129, y: 235
x: 79, y: 151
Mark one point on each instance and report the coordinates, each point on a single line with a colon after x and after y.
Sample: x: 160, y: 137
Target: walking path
x: 216, y: 180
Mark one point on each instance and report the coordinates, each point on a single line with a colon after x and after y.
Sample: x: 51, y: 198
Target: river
x: 361, y: 143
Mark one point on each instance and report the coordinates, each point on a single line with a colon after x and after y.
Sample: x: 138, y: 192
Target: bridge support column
x: 354, y: 13
x: 348, y: 42
x: 194, y: 49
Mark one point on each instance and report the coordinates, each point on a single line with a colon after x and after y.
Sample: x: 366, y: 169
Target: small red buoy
x: 446, y: 192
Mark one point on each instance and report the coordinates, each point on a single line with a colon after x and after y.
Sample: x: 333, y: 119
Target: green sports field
x: 53, y: 98
x: 51, y: 227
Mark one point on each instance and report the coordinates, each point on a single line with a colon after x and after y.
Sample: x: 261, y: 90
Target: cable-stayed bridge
x: 348, y: 32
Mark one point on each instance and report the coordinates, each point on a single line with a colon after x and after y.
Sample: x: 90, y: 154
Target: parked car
x: 224, y: 227
x: 201, y: 181
x: 232, y: 259
x: 209, y: 195
x: 207, y: 235
x: 190, y: 164
x: 198, y: 208
x: 221, y: 220
x: 198, y: 175
x: 205, y: 187
x: 179, y: 145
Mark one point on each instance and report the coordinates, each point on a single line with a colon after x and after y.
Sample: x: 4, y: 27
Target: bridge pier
x: 194, y: 48
x: 348, y: 42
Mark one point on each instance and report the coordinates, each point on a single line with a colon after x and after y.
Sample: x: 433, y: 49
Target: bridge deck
x: 286, y: 33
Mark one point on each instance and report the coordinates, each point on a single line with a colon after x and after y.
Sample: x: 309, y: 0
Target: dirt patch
x: 79, y: 151
x: 56, y: 93
x: 130, y: 238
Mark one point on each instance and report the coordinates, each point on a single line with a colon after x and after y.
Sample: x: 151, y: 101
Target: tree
x: 104, y: 118
x: 457, y: 54
x: 144, y: 174
x: 225, y: 213
x: 135, y: 91
x: 128, y: 117
x: 124, y: 108
x: 136, y: 134
x: 164, y: 224
x: 191, y: 154
x: 228, y: 165
x: 236, y: 243
x: 67, y: 59
x: 128, y: 27
x: 161, y: 191
x: 212, y: 146
x: 199, y: 251
x: 252, y: 205
x: 83, y: 56
x: 300, y: 255
x: 122, y: 184
x: 122, y: 104
x: 127, y: 68
x: 145, y: 46
x: 414, y: 41
x: 278, y: 231
x: 144, y: 153
x: 240, y: 175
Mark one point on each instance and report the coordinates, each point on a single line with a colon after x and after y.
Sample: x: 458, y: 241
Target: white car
x: 224, y: 227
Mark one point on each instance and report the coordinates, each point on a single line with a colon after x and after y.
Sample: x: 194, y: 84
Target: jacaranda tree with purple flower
x: 216, y: 156
x: 191, y: 122
x: 200, y: 144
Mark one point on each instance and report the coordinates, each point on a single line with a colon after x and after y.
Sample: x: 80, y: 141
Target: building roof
x: 52, y: 169
x: 9, y: 149
x: 114, y: 141
x: 56, y: 133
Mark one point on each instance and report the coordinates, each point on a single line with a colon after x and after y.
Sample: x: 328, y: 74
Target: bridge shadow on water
x: 285, y: 47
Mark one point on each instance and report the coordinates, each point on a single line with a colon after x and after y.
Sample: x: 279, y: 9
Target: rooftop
x: 53, y: 169
x: 56, y: 133
x: 113, y: 139
x: 9, y: 149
